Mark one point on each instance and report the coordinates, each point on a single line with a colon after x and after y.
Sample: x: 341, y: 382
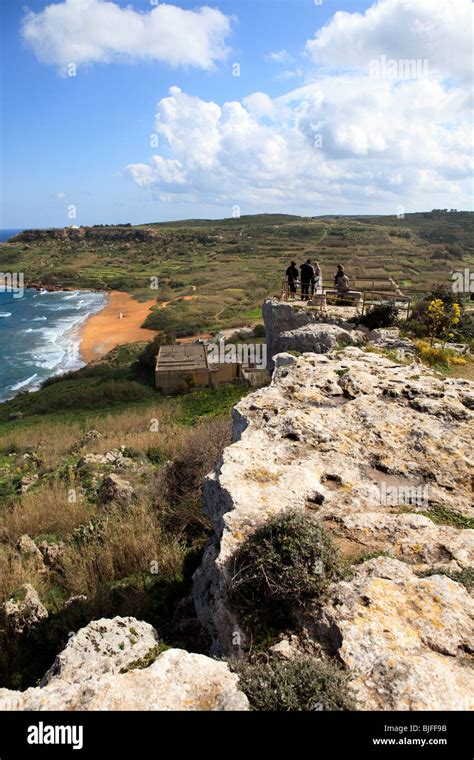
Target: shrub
x: 259, y: 331
x: 147, y: 359
x: 180, y: 485
x: 461, y: 330
x: 300, y: 684
x: 384, y: 315
x: 436, y: 356
x: 289, y: 560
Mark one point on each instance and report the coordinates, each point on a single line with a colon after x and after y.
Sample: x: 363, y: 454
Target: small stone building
x: 181, y: 367
x: 184, y: 366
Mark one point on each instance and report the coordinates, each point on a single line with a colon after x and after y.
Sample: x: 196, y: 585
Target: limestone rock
x: 389, y: 338
x: 334, y: 432
x: 405, y: 639
x: 319, y: 338
x: 281, y: 317
x: 115, y: 490
x: 51, y: 553
x: 24, y: 611
x: 103, y: 646
x: 94, y: 672
x: 30, y: 553
x: 27, y: 481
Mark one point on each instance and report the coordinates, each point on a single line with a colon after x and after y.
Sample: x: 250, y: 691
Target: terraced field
x: 214, y: 274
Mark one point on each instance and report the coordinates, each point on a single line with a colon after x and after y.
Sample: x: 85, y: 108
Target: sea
x: 40, y: 333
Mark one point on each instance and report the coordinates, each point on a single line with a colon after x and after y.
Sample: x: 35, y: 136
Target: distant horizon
x: 230, y: 218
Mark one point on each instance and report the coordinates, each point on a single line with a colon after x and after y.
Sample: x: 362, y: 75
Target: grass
x: 147, y: 659
x: 134, y: 561
x: 444, y: 516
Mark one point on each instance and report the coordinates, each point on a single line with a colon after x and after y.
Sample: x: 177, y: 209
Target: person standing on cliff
x: 307, y: 277
x: 292, y: 278
x: 316, y: 282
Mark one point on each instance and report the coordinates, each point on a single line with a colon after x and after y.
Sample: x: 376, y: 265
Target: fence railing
x: 361, y: 299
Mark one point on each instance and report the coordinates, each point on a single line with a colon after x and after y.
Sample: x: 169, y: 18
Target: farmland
x: 207, y: 275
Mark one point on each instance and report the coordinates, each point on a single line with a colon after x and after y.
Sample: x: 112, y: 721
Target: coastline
x: 105, y: 330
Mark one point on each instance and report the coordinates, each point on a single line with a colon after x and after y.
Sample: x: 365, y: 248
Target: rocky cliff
x: 381, y: 454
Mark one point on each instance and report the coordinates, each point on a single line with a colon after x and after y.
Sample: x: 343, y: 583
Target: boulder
x: 103, y: 646
x: 27, y: 482
x: 31, y: 556
x: 51, y: 553
x: 115, y: 490
x: 116, y: 665
x: 317, y: 338
x: 390, y: 339
x: 24, y: 610
x: 405, y: 639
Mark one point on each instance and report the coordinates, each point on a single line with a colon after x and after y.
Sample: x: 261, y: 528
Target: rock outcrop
x: 25, y: 610
x: 116, y: 665
x: 381, y: 453
x: 318, y: 338
x: 299, y: 328
x: 407, y: 640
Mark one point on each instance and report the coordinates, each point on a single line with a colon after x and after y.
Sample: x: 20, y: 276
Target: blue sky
x: 302, y: 128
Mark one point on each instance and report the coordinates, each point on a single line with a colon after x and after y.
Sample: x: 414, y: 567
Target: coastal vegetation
x: 206, y: 275
x: 105, y: 476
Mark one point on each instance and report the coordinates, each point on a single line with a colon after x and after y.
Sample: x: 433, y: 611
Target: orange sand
x: 105, y: 330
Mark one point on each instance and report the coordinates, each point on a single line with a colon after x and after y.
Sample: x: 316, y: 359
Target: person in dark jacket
x: 292, y: 277
x: 307, y: 277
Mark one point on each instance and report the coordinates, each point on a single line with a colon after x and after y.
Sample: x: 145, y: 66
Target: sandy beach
x: 105, y: 330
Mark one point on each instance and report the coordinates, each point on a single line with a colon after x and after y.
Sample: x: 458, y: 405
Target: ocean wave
x: 22, y: 383
x: 5, y: 314
x: 50, y: 345
x: 70, y: 296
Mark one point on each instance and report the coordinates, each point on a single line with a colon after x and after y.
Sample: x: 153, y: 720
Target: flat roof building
x: 184, y: 366
x: 181, y: 367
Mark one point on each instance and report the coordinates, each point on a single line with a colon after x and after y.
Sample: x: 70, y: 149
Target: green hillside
x: 214, y: 274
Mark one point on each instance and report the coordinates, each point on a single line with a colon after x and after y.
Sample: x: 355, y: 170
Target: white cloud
x: 280, y: 56
x: 344, y: 141
x: 439, y: 31
x: 341, y: 141
x: 259, y: 104
x: 90, y: 31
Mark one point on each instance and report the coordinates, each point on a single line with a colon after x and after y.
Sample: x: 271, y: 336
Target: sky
x: 140, y: 111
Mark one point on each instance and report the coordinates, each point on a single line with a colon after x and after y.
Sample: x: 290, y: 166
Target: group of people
x: 309, y: 276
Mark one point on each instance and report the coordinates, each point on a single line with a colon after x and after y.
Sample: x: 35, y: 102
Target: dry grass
x: 131, y: 543
x: 44, y: 510
x: 180, y: 484
x: 14, y: 572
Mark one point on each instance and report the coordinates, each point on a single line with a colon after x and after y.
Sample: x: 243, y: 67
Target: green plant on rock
x: 301, y: 684
x: 286, y: 562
